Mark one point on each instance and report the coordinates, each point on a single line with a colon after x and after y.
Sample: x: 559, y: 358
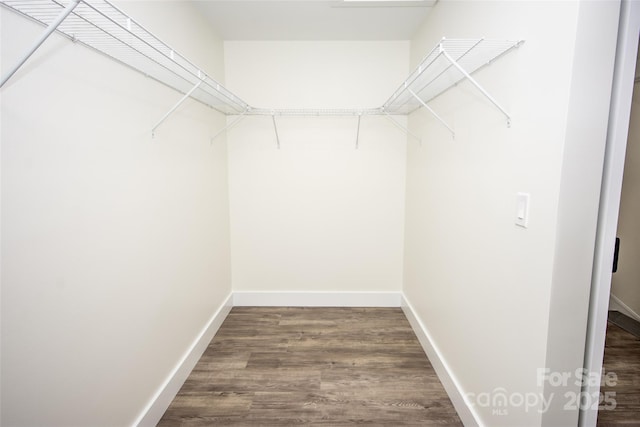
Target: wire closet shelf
x: 101, y: 26
x: 450, y: 62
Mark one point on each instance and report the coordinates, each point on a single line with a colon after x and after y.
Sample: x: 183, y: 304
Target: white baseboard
x: 616, y: 304
x: 318, y: 299
x: 153, y: 412
x: 451, y: 385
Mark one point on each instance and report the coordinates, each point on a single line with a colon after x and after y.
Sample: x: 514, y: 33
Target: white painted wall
x: 579, y: 202
x: 625, y: 283
x: 481, y: 284
x: 115, y: 246
x: 316, y: 215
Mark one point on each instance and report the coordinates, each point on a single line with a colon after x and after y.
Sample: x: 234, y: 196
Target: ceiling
x: 315, y: 19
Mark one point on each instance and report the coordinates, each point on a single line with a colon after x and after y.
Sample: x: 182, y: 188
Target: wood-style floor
x: 622, y: 357
x: 277, y: 366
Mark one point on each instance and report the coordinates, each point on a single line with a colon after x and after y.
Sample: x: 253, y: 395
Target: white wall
x: 579, y: 200
x: 625, y: 283
x: 316, y: 215
x: 114, y: 245
x: 481, y: 284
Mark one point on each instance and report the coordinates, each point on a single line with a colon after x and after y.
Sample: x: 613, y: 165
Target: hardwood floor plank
x: 253, y: 380
x: 390, y: 380
x: 221, y: 360
x: 622, y: 357
x: 275, y: 366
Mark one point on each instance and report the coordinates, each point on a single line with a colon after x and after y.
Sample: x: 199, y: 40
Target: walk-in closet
x: 317, y: 212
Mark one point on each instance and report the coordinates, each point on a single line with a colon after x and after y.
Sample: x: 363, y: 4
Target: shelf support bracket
x: 50, y: 29
x: 229, y: 126
x: 358, y: 131
x: 175, y: 107
x: 275, y: 128
x: 403, y: 128
x: 424, y: 104
x: 477, y: 85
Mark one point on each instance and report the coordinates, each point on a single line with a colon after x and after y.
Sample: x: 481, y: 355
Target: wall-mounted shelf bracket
x: 229, y: 126
x: 401, y: 127
x: 50, y: 29
x: 275, y: 128
x: 429, y: 109
x: 477, y: 85
x: 175, y: 107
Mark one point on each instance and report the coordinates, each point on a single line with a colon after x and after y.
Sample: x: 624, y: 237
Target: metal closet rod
x: 313, y: 112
